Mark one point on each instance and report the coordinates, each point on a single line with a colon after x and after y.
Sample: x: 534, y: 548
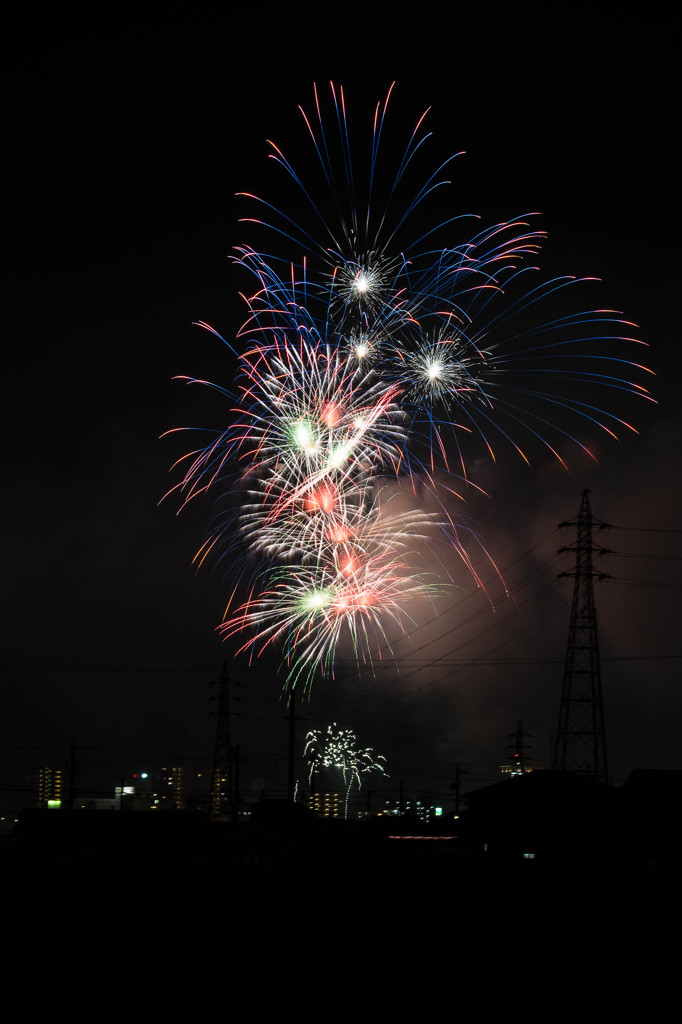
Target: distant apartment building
x: 324, y: 804
x: 50, y: 787
x: 165, y: 789
x: 416, y: 808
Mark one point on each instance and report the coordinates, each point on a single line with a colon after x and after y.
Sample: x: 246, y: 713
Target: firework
x: 470, y: 330
x: 336, y: 749
x: 371, y: 356
x: 355, y: 585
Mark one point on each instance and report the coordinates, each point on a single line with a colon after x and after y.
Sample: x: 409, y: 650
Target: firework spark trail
x: 365, y: 362
x: 361, y: 580
x: 336, y: 749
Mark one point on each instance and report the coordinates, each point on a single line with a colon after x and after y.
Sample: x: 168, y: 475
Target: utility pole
x: 292, y: 743
x: 237, y: 761
x: 222, y: 797
x: 74, y: 767
x: 581, y: 740
x: 456, y: 786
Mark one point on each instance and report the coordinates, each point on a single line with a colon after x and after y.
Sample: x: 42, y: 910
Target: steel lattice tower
x: 581, y: 740
x: 519, y: 759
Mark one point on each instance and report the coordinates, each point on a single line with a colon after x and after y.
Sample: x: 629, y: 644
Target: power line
x: 644, y: 529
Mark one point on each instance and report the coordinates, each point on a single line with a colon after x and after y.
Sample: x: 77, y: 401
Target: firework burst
x: 336, y: 749
x: 370, y: 356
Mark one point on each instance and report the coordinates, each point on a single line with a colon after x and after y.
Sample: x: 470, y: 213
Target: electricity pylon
x: 581, y: 740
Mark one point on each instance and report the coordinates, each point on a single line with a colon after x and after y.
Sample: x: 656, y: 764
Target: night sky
x: 127, y: 143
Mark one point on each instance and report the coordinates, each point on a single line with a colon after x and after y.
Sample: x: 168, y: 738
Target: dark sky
x: 127, y: 142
